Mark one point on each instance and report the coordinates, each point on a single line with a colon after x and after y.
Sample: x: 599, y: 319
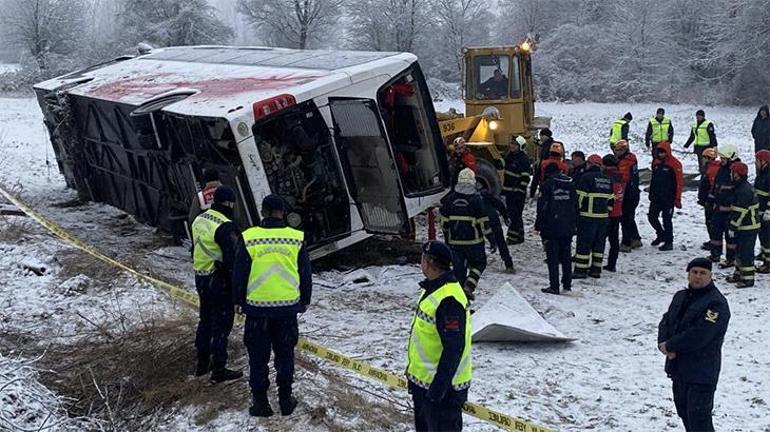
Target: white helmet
x: 521, y: 140
x: 459, y: 141
x: 728, y: 151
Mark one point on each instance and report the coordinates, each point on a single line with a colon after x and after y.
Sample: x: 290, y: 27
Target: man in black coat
x: 516, y: 176
x: 760, y: 130
x: 690, y: 335
x: 556, y: 219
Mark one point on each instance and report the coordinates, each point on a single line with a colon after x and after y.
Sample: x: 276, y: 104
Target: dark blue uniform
x: 693, y: 328
x: 595, y: 199
x: 495, y: 208
x: 663, y: 187
x: 516, y: 177
x: 556, y: 220
x: 745, y: 224
x: 762, y: 187
x: 720, y: 221
x: 465, y: 224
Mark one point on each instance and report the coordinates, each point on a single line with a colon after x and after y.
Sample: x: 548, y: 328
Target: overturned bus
x: 349, y: 139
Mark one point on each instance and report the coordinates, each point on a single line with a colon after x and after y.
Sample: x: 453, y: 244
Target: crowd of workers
x: 264, y: 272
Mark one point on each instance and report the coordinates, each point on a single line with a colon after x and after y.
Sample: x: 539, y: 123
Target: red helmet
x: 763, y: 155
x: 739, y: 168
x: 595, y: 159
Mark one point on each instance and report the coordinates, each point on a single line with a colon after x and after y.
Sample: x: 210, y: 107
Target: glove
x: 766, y: 216
x: 436, y: 393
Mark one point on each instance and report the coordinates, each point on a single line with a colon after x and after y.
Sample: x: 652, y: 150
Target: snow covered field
x: 610, y: 379
x: 8, y: 67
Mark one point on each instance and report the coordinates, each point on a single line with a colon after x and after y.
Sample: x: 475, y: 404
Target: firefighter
x: 545, y: 141
x: 665, y: 194
x: 762, y: 187
x: 610, y: 168
x: 555, y: 154
x: 619, y: 129
x: 578, y: 165
x: 439, y: 366
x: 214, y: 240
x: 202, y: 200
x: 272, y: 279
x: 515, y: 181
x: 706, y: 190
x: 465, y: 224
x: 690, y: 335
x: 659, y: 129
x: 745, y: 222
x: 629, y: 170
x: 495, y: 207
x: 595, y: 200
x: 702, y: 135
x: 461, y: 158
x: 556, y: 219
x: 723, y: 195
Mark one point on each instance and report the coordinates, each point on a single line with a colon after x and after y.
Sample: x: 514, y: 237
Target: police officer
x: 744, y: 224
x: 723, y: 196
x: 555, y: 220
x: 702, y: 134
x: 273, y: 282
x: 690, y: 335
x: 659, y: 129
x: 619, y: 129
x: 515, y: 181
x: 439, y: 349
x: 465, y: 223
x: 215, y: 236
x: 595, y: 200
x: 762, y: 187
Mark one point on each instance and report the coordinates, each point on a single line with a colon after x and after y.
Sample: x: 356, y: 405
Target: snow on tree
x: 388, y: 25
x: 292, y: 23
x: 458, y: 23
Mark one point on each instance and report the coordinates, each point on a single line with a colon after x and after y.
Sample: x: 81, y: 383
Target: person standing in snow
x: 495, y: 208
x: 619, y: 129
x: 594, y: 202
x: 760, y: 130
x: 628, y: 168
x: 659, y: 129
x: 555, y: 154
x: 702, y: 134
x: 690, y: 335
x: 556, y: 219
x: 272, y: 283
x: 515, y: 181
x: 665, y: 194
x: 762, y: 186
x: 706, y: 191
x: 723, y: 197
x: 744, y: 224
x: 610, y: 168
x: 439, y: 368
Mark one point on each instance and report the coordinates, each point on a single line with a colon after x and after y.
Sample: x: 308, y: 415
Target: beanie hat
x: 273, y: 202
x: 700, y: 263
x: 224, y: 194
x: 438, y: 251
x: 547, y: 132
x: 701, y: 113
x: 660, y: 111
x: 466, y: 181
x: 610, y: 160
x: 628, y: 116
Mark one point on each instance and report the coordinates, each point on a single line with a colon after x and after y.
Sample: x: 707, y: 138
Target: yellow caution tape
x: 498, y: 419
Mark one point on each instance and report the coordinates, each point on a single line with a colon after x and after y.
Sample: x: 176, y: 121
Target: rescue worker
x: 629, y: 170
x: 702, y: 135
x: 515, y: 181
x: 619, y: 129
x: 215, y: 236
x: 665, y: 194
x: 706, y: 190
x: 760, y: 130
x: 272, y: 279
x: 659, y: 129
x: 465, y: 224
x: 744, y: 223
x: 690, y: 335
x: 439, y: 366
x: 556, y: 219
x: 204, y: 197
x: 723, y: 196
x: 556, y: 154
x: 545, y: 141
x: 577, y: 165
x: 595, y: 200
x: 762, y: 187
x: 495, y: 207
x: 610, y: 169
x: 461, y: 158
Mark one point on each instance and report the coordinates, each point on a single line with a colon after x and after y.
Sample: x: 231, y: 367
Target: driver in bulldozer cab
x: 495, y: 87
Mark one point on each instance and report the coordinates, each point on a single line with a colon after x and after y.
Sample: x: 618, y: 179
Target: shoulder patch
x: 712, y: 316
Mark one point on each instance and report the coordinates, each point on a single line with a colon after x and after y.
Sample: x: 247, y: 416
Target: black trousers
x: 215, y: 319
x: 558, y: 252
x: 720, y: 227
x: 429, y: 417
x: 514, y: 203
x: 744, y: 263
x: 469, y: 263
x: 613, y: 237
x: 764, y: 240
x: 502, y: 246
x: 628, y: 220
x: 694, y: 403
x: 263, y: 334
x: 591, y: 239
x: 665, y: 232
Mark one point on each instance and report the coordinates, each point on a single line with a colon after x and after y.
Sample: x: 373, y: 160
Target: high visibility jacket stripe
x: 274, y: 276
x: 660, y: 129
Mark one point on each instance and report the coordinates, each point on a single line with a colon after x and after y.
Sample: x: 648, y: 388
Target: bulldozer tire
x: 487, y: 176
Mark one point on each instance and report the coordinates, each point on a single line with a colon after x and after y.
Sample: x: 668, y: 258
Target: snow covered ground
x: 8, y: 67
x: 610, y: 379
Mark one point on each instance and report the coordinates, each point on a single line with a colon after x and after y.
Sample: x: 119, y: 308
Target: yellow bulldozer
x: 499, y: 106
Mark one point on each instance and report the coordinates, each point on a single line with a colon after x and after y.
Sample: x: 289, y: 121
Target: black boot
x: 204, y: 365
x: 260, y: 406
x: 286, y: 401
x: 610, y: 268
x: 666, y: 247
x: 550, y: 290
x: 658, y: 240
x: 579, y: 274
x: 223, y: 374
x: 595, y: 272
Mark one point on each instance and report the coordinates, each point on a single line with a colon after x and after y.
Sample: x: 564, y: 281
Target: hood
x: 465, y: 188
x: 763, y: 107
x: 665, y: 145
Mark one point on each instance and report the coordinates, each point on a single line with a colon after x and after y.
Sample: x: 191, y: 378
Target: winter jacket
x: 557, y: 208
x: 629, y: 169
x: 577, y: 171
x: 594, y: 192
x: 459, y: 163
x: 516, y: 173
x: 762, y: 187
x: 494, y: 207
x: 667, y: 178
x: 760, y: 131
x: 537, y: 178
x: 694, y: 328
x: 723, y: 189
x: 618, y: 189
x: 707, y: 182
x: 712, y: 136
x: 744, y: 212
x: 545, y: 148
x: 464, y: 219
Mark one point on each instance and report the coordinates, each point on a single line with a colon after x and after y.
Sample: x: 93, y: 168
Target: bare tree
x: 388, y: 25
x: 461, y: 23
x: 292, y: 23
x: 43, y: 27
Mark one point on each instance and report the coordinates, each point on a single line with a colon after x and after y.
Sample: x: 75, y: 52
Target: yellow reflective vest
x: 274, y: 276
x: 206, y: 251
x: 700, y: 132
x: 659, y: 129
x: 616, y: 131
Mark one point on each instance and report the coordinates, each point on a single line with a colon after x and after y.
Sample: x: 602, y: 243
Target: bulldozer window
x: 496, y: 77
